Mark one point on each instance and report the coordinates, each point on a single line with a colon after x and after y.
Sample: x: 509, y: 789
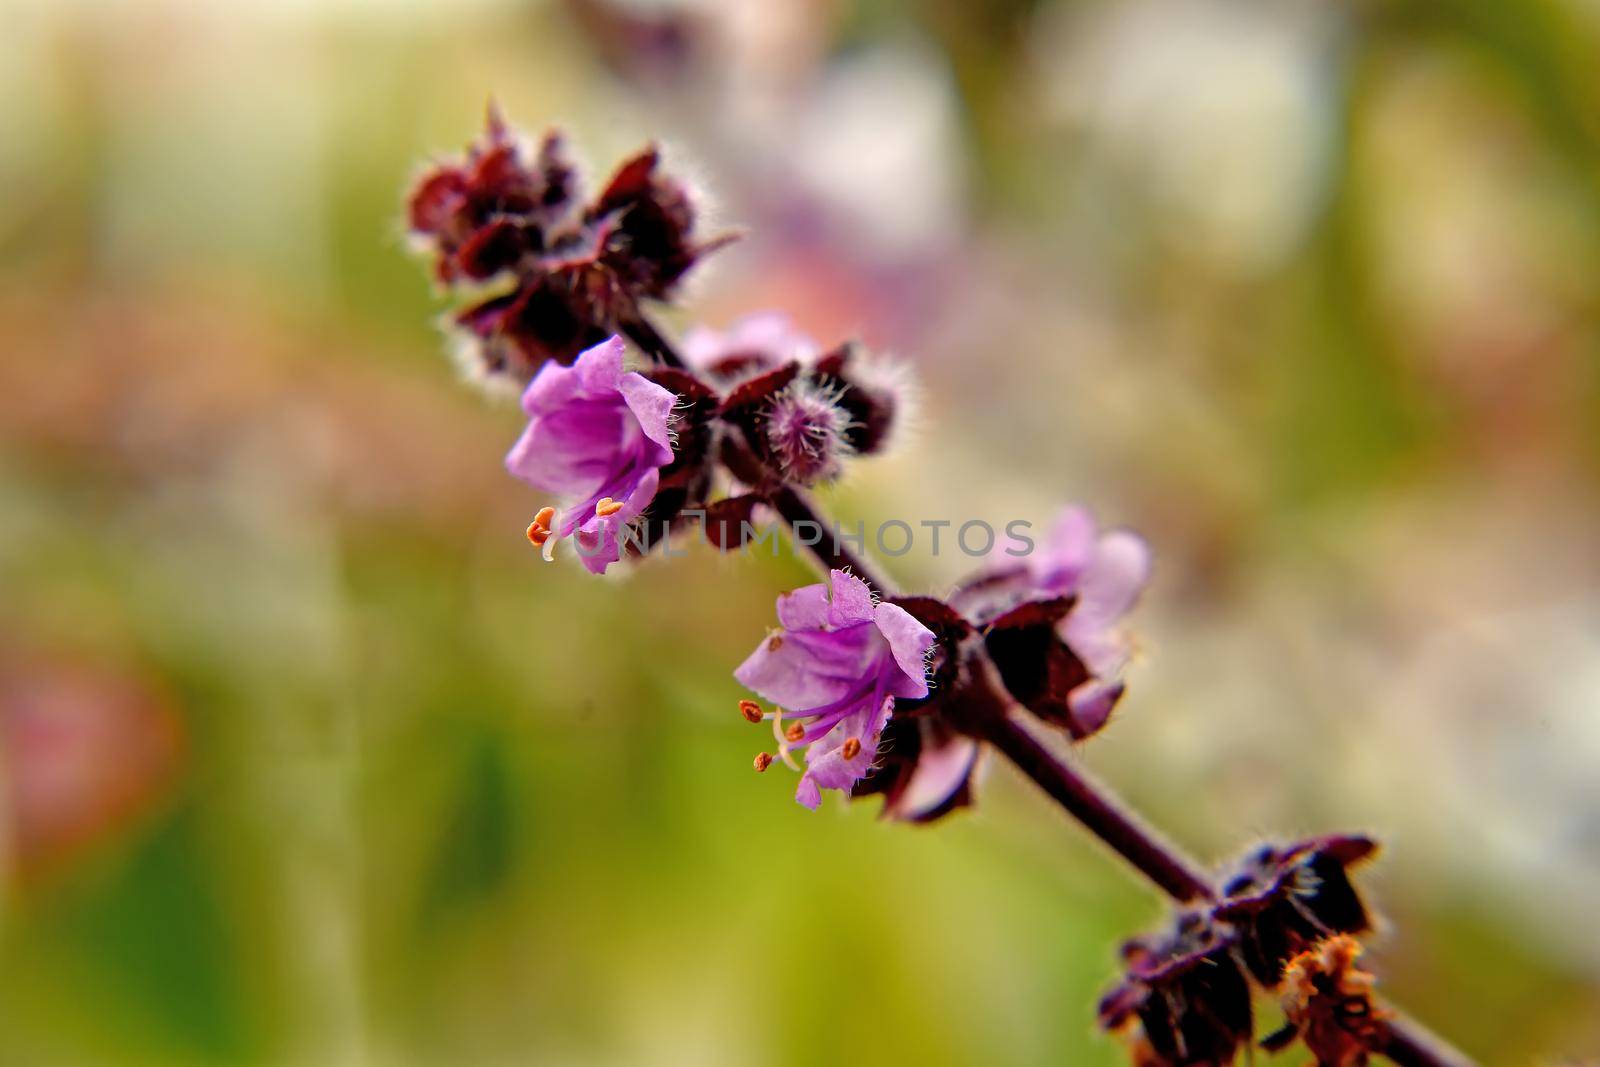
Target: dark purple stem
x: 1096, y: 807
x: 796, y: 507
x: 1100, y: 811
x: 799, y: 513
x: 642, y: 332
x: 1413, y: 1045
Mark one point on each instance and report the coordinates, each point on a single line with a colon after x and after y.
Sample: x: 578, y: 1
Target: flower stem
x: 642, y: 332
x: 1100, y: 811
x: 1413, y: 1045
x: 799, y: 512
x: 1094, y: 805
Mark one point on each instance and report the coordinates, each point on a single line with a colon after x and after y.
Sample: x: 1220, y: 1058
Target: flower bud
x: 568, y: 272
x: 1285, y: 899
x: 1187, y: 993
x: 872, y: 391
x: 805, y: 432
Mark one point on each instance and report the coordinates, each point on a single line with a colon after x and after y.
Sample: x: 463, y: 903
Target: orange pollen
x: 763, y: 761
x: 546, y: 516
x: 774, y: 642
x: 795, y: 732
x: 607, y: 506
x: 750, y: 710
x: 537, y: 534
x: 851, y: 749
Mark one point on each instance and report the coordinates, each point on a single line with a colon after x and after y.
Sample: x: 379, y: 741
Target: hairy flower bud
x: 872, y: 390
x: 804, y: 411
x: 805, y: 432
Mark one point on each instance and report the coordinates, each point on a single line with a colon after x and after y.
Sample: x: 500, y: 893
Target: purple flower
x: 1054, y: 626
x: 597, y: 438
x: 838, y: 665
x: 1105, y: 572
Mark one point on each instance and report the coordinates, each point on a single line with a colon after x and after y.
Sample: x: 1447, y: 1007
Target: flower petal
x: 1065, y: 553
x: 652, y: 407
x: 943, y: 766
x: 802, y: 670
x: 1091, y: 705
x: 1116, y: 575
x: 599, y: 538
x: 909, y: 641
x: 571, y: 451
x: 1102, y: 647
x: 555, y: 385
x: 807, y: 794
x: 849, y: 600
x: 805, y: 608
x: 826, y: 765
x: 599, y: 369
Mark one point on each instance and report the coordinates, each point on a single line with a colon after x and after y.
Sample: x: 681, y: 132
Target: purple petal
x: 1091, y: 705
x: 802, y: 670
x: 599, y: 369
x: 652, y: 407
x: 556, y: 385
x: 909, y: 641
x: 602, y: 534
x: 850, y: 600
x: 1066, y: 551
x: 826, y: 766
x: 572, y: 451
x: 807, y: 794
x: 1116, y: 575
x: 766, y: 333
x: 805, y: 608
x: 943, y: 766
x: 1103, y: 648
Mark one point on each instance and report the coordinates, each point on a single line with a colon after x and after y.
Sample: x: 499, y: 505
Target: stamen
x: 751, y: 711
x: 774, y: 642
x: 763, y: 761
x: 795, y: 732
x: 539, y: 530
x: 607, y: 506
x: 784, y: 747
x: 851, y: 748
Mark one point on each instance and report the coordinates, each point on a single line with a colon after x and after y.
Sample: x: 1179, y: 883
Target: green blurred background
x: 308, y: 760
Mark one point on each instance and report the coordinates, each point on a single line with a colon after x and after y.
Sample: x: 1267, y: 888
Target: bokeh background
x: 308, y: 760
